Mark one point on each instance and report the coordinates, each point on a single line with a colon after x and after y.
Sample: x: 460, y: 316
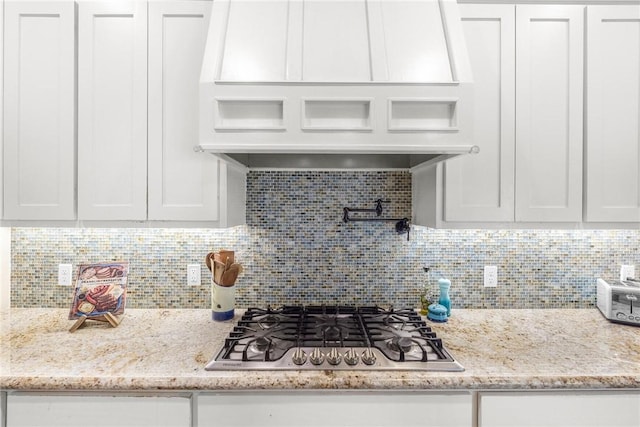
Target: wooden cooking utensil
x: 230, y: 275
x: 209, y: 261
x: 223, y: 255
x: 218, y: 269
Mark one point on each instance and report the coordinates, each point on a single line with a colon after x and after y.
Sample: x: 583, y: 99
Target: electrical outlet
x: 627, y: 271
x: 490, y: 276
x: 193, y: 274
x: 64, y: 274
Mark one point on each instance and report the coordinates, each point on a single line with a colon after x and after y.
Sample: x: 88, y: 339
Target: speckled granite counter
x: 167, y: 350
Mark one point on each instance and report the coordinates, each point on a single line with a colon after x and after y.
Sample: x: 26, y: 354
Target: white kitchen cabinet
x: 527, y: 120
x: 329, y: 408
x: 613, y: 114
x: 481, y: 187
x: 137, y: 112
x: 63, y: 410
x: 559, y: 409
x: 183, y: 184
x: 549, y: 96
x: 39, y: 110
x: 3, y: 404
x: 1, y: 108
x: 112, y: 110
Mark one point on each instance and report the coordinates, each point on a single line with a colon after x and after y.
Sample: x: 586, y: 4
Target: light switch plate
x: 193, y: 274
x: 490, y: 276
x: 64, y: 274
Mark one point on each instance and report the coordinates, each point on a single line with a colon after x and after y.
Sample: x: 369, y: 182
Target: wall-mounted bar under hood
x: 335, y: 83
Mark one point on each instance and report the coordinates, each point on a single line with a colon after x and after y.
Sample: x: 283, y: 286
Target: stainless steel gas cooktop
x: 333, y: 338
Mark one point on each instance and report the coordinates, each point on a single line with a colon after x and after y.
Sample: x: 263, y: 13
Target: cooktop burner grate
x: 333, y: 337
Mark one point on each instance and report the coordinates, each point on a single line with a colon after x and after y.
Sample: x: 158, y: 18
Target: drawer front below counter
x: 102, y: 410
x: 560, y: 409
x: 328, y: 408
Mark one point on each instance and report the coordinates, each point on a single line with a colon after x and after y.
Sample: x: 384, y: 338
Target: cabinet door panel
x: 549, y: 87
x: 3, y: 405
x: 39, y: 102
x: 325, y: 409
x: 481, y: 187
x: 613, y: 113
x: 183, y: 184
x: 550, y: 409
x: 112, y: 110
x: 97, y: 411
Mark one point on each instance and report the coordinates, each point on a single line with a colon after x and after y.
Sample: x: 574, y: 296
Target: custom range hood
x: 335, y: 83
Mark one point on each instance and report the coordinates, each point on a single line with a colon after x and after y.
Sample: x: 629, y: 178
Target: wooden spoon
x: 227, y: 264
x: 209, y: 261
x: 218, y: 269
x: 230, y: 275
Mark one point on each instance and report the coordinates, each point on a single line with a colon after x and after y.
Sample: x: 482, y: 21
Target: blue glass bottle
x: 444, y: 295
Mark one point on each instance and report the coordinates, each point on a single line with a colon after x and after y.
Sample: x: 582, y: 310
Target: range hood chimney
x: 335, y: 83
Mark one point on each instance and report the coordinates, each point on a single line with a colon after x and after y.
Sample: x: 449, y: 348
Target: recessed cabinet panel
x: 112, y: 110
x: 354, y: 409
x: 347, y: 114
x: 183, y: 184
x: 549, y: 87
x: 39, y: 97
x: 613, y: 113
x: 480, y: 187
x: 240, y: 114
x: 335, y: 41
x: 422, y: 115
x: 31, y: 409
x: 556, y: 409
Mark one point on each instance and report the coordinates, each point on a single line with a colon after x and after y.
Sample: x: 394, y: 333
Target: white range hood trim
x: 370, y: 126
x: 298, y: 160
x: 339, y: 149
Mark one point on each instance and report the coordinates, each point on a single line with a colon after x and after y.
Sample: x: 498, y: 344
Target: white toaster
x: 619, y: 301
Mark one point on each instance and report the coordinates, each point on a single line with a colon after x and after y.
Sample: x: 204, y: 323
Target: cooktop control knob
x: 316, y: 357
x: 351, y: 357
x: 368, y: 357
x: 334, y: 357
x: 299, y: 356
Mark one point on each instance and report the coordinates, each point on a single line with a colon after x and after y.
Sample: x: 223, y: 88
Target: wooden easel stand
x: 107, y: 317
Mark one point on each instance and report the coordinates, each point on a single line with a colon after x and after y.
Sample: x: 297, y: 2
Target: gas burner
x: 332, y: 328
x: 269, y: 321
x: 401, y: 341
x: 260, y: 344
x: 400, y: 344
x: 332, y: 333
x: 394, y: 321
x: 263, y: 349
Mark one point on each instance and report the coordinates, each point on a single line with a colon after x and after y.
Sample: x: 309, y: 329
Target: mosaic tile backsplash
x: 296, y: 250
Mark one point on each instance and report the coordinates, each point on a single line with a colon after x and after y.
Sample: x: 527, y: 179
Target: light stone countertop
x: 167, y: 350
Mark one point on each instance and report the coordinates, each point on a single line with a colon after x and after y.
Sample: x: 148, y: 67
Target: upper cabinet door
x: 549, y: 88
x: 39, y: 102
x: 183, y: 184
x: 613, y: 113
x: 481, y: 187
x: 112, y: 110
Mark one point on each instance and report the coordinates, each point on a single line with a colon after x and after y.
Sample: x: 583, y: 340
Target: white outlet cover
x: 627, y: 271
x: 193, y: 275
x: 65, y: 271
x: 490, y: 276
